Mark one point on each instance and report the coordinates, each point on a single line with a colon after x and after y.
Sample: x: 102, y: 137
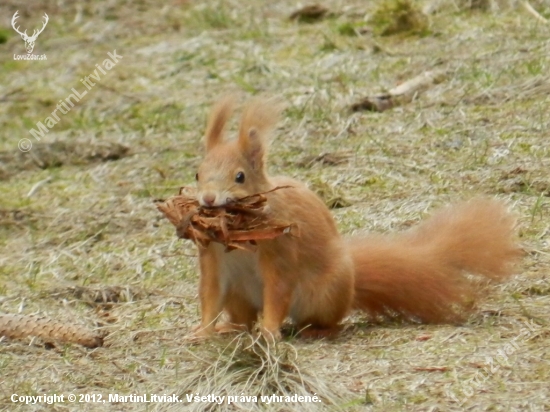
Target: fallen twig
x: 527, y: 6
x: 401, y: 94
x: 432, y: 369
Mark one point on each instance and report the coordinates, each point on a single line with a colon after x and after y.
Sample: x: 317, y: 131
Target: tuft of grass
x: 332, y: 195
x: 215, y: 16
x: 347, y: 29
x: 249, y: 365
x: 399, y: 17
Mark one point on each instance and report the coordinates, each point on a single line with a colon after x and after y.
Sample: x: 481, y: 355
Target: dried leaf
x: 309, y: 14
x: 432, y: 369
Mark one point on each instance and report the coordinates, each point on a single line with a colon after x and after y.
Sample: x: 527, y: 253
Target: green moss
x: 346, y: 29
x: 4, y: 35
x: 216, y: 17
x: 399, y: 16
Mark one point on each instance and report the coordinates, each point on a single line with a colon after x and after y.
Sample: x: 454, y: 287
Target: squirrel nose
x: 208, y: 199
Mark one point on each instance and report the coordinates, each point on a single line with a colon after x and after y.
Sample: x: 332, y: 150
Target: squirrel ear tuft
x: 216, y: 122
x: 259, y: 117
x: 254, y: 151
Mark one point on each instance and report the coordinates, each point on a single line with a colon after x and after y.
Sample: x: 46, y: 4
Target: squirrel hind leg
x: 316, y: 327
x: 242, y: 313
x: 319, y: 332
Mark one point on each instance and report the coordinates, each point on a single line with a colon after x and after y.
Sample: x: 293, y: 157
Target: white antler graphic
x: 29, y: 41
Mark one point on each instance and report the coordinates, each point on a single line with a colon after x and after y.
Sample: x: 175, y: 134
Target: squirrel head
x: 236, y: 168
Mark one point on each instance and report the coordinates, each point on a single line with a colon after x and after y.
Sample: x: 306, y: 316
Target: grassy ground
x: 78, y: 213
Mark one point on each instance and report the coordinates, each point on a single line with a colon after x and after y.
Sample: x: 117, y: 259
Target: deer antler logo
x: 29, y: 40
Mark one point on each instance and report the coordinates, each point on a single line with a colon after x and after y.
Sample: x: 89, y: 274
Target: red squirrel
x: 317, y: 278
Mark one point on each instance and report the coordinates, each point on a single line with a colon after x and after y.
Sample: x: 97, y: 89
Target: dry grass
x: 89, y: 222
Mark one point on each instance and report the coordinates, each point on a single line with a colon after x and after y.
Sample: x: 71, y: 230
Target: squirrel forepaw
x: 227, y: 327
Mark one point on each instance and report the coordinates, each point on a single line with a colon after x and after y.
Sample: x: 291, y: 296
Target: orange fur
x: 216, y: 122
x: 317, y: 278
x: 425, y: 273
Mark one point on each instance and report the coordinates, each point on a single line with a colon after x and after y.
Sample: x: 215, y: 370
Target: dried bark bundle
x: 21, y: 326
x: 237, y: 225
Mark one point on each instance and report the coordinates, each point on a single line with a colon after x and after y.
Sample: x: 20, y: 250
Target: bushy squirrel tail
x: 432, y: 272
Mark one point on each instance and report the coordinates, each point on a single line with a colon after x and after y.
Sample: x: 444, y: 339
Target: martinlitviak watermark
x: 29, y: 40
x: 65, y: 106
x: 489, y: 367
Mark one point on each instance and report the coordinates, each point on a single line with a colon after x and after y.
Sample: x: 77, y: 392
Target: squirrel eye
x: 197, y: 177
x: 240, y: 177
